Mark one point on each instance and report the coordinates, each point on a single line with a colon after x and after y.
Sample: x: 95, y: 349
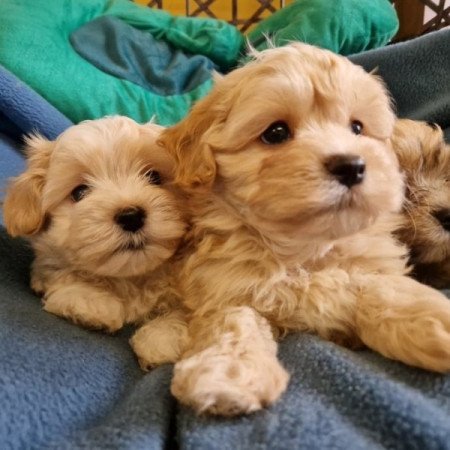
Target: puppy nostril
x: 347, y: 169
x: 131, y: 219
x: 443, y: 216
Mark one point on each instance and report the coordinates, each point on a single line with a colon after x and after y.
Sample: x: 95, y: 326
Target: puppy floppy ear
x: 22, y: 210
x: 188, y: 144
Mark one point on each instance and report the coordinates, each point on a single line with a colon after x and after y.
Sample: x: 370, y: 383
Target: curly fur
x: 425, y: 158
x: 87, y: 268
x: 278, y: 244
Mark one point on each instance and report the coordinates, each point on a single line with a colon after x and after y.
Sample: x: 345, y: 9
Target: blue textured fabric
x: 63, y: 387
x: 141, y: 419
x: 57, y: 379
x: 11, y: 161
x: 125, y: 52
x: 24, y: 111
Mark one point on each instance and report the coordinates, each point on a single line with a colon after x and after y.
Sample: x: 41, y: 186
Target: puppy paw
x: 87, y: 307
x: 38, y: 285
x: 160, y: 341
x: 227, y: 385
x: 410, y: 322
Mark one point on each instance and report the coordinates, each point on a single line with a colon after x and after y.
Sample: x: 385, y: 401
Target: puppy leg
x: 323, y: 303
x: 231, y: 366
x: 405, y: 320
x: 86, y: 306
x: 37, y: 282
x: 392, y: 314
x: 160, y: 340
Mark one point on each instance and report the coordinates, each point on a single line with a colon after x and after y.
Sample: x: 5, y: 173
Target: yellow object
x: 222, y: 9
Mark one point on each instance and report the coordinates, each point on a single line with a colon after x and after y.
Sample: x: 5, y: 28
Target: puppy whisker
x: 131, y: 245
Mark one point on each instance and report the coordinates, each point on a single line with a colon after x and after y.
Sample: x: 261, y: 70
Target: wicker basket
x: 416, y: 16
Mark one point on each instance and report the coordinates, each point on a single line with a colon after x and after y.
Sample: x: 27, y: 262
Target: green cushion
x: 34, y: 45
x: 343, y: 26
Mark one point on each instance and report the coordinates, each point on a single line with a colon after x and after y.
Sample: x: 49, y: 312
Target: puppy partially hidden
x: 104, y: 222
x: 295, y: 194
x: 425, y: 158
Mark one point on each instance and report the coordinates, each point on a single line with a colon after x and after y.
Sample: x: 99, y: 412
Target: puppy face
x: 425, y: 158
x: 295, y: 142
x: 100, y: 198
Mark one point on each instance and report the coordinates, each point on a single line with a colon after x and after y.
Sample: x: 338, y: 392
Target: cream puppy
x: 104, y: 222
x: 294, y: 192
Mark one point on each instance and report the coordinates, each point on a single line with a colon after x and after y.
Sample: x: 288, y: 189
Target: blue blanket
x: 65, y: 387
x: 22, y: 111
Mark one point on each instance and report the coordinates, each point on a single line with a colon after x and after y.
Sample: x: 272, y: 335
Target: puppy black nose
x: 443, y: 215
x: 347, y: 169
x: 131, y: 219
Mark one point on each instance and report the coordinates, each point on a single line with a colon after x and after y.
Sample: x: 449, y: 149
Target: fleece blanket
x: 417, y: 73
x: 22, y: 111
x: 65, y: 387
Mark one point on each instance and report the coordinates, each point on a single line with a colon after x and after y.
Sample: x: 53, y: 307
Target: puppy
x: 97, y: 206
x: 294, y: 192
x: 425, y: 159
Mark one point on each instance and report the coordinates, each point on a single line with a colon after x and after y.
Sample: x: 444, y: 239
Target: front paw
x: 88, y: 308
x: 226, y: 385
x: 407, y: 321
x: 160, y: 341
x: 38, y: 286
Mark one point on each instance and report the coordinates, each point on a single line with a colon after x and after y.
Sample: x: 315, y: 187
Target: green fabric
x: 34, y: 45
x: 130, y: 54
x: 343, y: 26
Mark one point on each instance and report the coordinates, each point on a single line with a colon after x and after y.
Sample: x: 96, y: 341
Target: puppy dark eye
x: 357, y: 126
x: 79, y: 192
x: 443, y: 216
x: 276, y: 133
x: 153, y: 177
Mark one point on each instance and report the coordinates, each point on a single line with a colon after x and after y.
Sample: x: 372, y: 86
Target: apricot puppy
x: 97, y: 206
x: 425, y: 158
x: 295, y: 194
